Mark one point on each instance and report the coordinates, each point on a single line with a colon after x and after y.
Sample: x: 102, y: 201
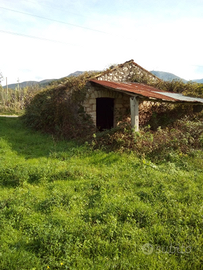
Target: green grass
x: 65, y: 206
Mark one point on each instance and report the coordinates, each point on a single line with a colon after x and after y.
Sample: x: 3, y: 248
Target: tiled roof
x: 146, y: 91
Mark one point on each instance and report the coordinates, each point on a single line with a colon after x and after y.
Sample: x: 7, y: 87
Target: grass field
x: 66, y: 206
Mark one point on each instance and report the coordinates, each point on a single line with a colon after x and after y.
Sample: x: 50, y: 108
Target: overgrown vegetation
x: 182, y: 138
x: 188, y: 89
x: 58, y: 109
x: 118, y: 201
x: 14, y: 101
x: 166, y: 129
x: 67, y: 206
x: 178, y: 86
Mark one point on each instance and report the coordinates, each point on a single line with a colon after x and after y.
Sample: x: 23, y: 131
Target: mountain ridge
x: 41, y: 83
x: 165, y: 76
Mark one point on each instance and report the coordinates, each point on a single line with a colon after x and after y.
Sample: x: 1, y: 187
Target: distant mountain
x: 28, y: 83
x: 42, y: 83
x: 198, y: 81
x: 75, y: 74
x: 21, y: 85
x: 166, y: 76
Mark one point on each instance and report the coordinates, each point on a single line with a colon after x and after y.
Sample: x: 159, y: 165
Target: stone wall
x: 129, y: 71
x: 121, y: 102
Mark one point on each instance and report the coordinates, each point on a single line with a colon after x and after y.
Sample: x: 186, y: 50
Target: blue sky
x: 43, y: 39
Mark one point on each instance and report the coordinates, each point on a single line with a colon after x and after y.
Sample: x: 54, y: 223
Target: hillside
x: 29, y: 83
x: 42, y: 83
x: 198, y: 81
x: 166, y: 76
x: 21, y: 85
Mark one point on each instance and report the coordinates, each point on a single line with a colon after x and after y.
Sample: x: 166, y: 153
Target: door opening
x: 104, y: 113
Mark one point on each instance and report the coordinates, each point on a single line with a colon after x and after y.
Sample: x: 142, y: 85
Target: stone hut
x: 108, y: 107
x: 121, y: 90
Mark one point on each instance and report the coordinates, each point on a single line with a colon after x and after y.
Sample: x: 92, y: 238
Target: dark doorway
x: 104, y: 112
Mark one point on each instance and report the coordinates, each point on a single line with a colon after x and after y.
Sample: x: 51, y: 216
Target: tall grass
x: 13, y: 101
x: 66, y: 206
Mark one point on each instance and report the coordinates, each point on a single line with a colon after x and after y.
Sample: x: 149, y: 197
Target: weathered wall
x: 121, y: 102
x: 129, y: 71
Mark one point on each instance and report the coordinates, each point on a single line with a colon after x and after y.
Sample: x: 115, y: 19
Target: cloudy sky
x: 44, y: 39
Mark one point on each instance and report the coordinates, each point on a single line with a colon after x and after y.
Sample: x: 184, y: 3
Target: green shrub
x: 58, y: 109
x: 189, y: 89
x: 183, y: 135
x: 13, y: 101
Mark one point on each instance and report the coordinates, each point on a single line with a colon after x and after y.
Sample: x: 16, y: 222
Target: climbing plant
x: 58, y: 109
